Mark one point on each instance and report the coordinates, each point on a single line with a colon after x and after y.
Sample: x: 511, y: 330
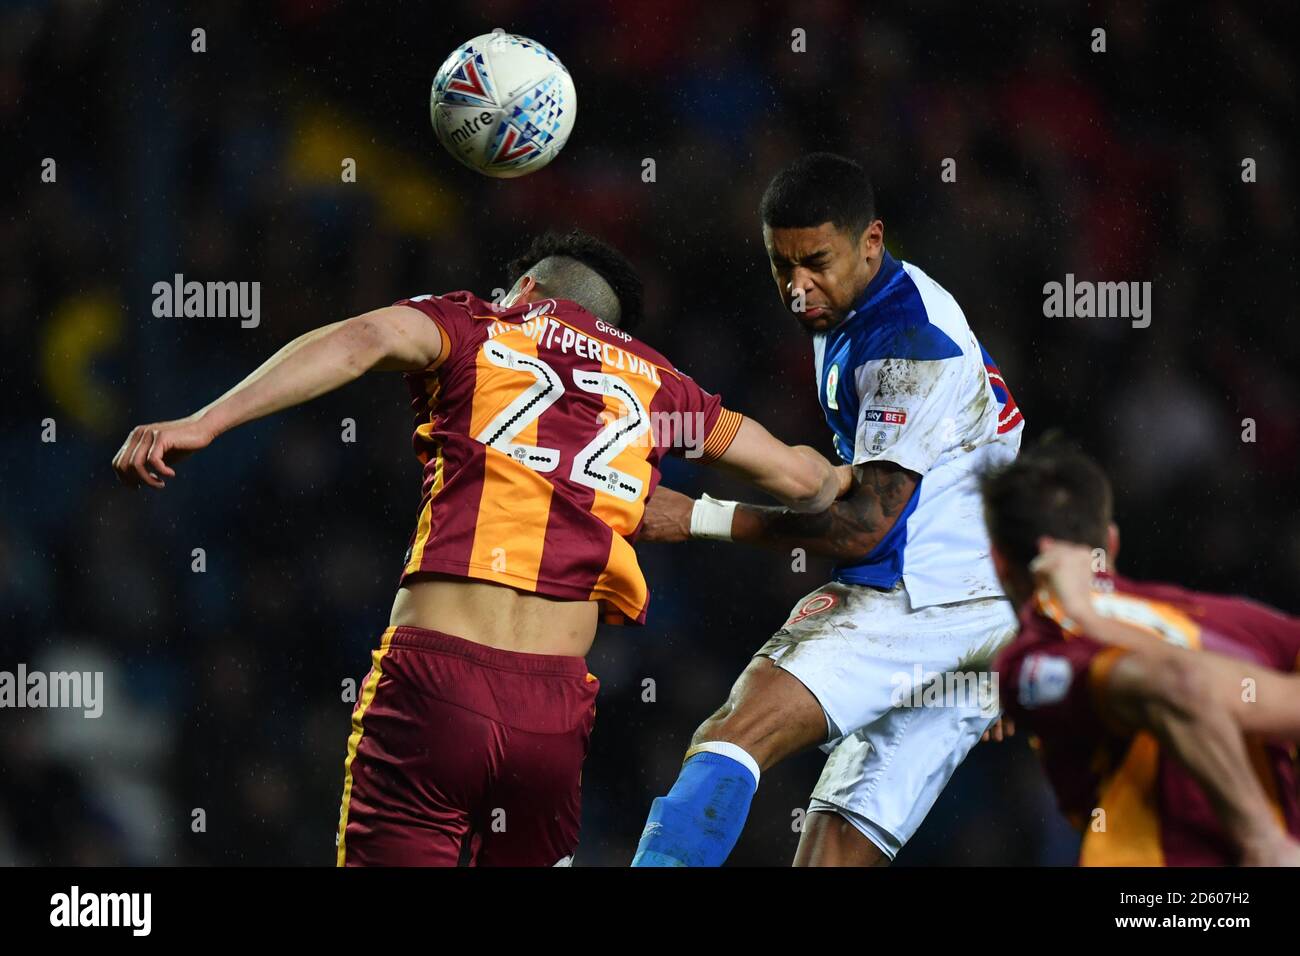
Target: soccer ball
x: 503, y: 105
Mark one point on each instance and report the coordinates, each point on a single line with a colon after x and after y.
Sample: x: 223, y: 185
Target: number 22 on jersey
x: 592, y: 464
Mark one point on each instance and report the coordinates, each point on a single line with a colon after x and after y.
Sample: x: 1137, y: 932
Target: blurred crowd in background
x: 224, y: 688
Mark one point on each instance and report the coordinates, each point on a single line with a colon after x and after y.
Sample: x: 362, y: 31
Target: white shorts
x: 906, y: 694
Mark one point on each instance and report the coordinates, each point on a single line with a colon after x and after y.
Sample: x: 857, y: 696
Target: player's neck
x: 1019, y: 588
x: 865, y: 288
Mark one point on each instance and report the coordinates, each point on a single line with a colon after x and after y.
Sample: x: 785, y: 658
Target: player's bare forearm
x: 311, y: 365
x: 850, y: 528
x: 798, y: 476
x: 1273, y: 705
x: 795, y: 475
x: 1064, y: 569
x: 1170, y: 698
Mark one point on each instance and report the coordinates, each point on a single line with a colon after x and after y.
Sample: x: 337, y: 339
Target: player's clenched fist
x: 1065, y: 570
x: 149, y: 450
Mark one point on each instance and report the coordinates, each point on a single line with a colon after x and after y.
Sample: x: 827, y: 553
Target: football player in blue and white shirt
x: 865, y: 665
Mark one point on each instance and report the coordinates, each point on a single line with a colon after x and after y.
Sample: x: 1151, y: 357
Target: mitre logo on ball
x: 503, y: 105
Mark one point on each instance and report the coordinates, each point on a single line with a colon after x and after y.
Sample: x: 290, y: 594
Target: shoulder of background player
x: 1256, y: 629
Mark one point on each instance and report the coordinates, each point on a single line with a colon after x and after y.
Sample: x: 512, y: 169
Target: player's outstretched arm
x: 795, y: 475
x: 1171, y: 698
x: 849, y: 529
x: 1273, y: 707
x: 397, y: 337
x: 873, y: 496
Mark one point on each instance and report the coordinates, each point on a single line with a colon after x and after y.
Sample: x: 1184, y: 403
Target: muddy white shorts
x: 906, y: 694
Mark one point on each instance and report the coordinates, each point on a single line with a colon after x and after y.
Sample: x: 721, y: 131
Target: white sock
x: 725, y: 749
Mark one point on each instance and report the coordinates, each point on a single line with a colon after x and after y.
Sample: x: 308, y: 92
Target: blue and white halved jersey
x: 903, y: 379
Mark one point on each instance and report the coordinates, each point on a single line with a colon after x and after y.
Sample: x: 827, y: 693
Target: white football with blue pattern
x: 503, y: 105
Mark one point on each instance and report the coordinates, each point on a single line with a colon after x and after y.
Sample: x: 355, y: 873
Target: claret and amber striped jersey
x: 541, y: 434
x: 1135, y: 804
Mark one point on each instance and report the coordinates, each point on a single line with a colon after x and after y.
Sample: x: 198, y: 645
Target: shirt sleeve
x: 906, y: 415
x: 698, y: 426
x: 450, y: 315
x: 1057, y: 686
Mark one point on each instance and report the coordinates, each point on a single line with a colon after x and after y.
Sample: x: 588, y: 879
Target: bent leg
x: 768, y: 716
x: 831, y: 839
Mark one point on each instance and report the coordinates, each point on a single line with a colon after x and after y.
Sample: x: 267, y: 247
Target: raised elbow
x: 1181, y: 683
x: 1168, y: 691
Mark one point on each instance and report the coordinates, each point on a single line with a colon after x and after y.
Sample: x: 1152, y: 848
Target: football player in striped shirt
x: 540, y: 425
x: 1166, y: 719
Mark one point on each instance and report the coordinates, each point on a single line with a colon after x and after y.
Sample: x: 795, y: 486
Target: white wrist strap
x: 711, y: 518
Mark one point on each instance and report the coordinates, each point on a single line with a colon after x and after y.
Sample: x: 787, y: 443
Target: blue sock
x: 700, y: 819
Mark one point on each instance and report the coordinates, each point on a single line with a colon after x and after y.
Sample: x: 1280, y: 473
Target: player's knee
x: 752, y: 727
x: 714, y: 726
x: 768, y: 713
x: 720, y: 724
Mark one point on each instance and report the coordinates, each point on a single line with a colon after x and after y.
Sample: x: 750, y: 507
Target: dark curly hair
x: 1052, y: 489
x: 818, y: 188
x: 597, y: 256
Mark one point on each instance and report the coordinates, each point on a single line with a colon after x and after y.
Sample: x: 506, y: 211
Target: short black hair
x: 818, y: 188
x: 1054, y: 489
x: 598, y: 256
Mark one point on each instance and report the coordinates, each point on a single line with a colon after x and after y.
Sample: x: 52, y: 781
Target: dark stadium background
x: 224, y: 687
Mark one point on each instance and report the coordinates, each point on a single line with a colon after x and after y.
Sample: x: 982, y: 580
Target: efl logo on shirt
x: 1044, y: 680
x: 885, y: 416
x: 883, y: 425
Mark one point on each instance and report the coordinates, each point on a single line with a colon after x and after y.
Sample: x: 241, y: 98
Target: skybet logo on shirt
x: 886, y: 423
x: 885, y: 416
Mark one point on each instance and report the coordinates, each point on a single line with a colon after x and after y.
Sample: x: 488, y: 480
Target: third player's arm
x: 1272, y: 707
x: 1171, y: 697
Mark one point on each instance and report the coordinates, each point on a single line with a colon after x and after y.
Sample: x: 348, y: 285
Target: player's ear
x: 523, y: 288
x: 872, y: 240
x: 1112, y: 542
